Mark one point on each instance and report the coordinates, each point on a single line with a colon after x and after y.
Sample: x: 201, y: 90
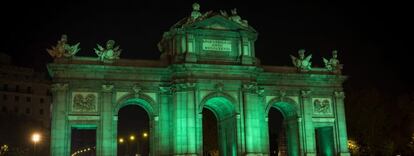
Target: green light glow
x: 224, y: 111
x: 208, y: 62
x: 291, y: 126
x: 325, y: 142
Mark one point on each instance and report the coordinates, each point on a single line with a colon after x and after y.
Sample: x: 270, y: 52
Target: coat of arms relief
x: 84, y: 102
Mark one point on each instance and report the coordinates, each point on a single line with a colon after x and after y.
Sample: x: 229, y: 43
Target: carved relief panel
x: 84, y: 102
x: 322, y: 106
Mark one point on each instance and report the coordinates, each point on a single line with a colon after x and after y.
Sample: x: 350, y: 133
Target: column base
x: 345, y: 154
x: 190, y: 57
x: 256, y: 154
x: 310, y: 154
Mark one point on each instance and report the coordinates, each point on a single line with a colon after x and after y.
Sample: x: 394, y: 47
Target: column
x: 254, y: 118
x: 308, y: 129
x: 60, y: 128
x: 185, y: 132
x: 341, y: 124
x: 190, y: 55
x: 247, y: 57
x: 108, y: 144
x: 164, y: 121
x: 292, y: 135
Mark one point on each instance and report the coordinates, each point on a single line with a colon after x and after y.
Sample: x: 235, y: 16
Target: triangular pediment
x: 219, y: 22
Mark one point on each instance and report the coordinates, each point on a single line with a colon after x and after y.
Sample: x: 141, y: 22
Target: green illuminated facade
x: 208, y: 61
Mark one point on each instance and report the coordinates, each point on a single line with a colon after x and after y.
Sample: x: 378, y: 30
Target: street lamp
x: 140, y: 143
x: 35, y: 138
x: 122, y: 141
x: 132, y: 138
x: 131, y: 141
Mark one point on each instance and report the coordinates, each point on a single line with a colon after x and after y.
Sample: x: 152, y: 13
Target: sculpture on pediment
x: 236, y: 18
x: 109, y: 53
x: 195, y: 14
x: 302, y: 63
x: 333, y: 63
x: 224, y: 13
x: 196, y: 11
x: 63, y: 49
x: 84, y: 104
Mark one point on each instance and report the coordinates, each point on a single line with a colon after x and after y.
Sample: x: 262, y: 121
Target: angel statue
x: 236, y: 18
x: 333, y: 63
x: 62, y: 49
x: 196, y: 11
x: 109, y: 53
x: 195, y: 14
x: 302, y: 63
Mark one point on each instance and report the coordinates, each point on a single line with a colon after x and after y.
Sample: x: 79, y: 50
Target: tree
x: 381, y: 124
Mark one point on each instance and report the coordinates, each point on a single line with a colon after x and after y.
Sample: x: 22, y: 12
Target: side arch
x: 288, y: 108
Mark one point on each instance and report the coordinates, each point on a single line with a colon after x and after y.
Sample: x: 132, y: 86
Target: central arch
x: 146, y: 103
x: 224, y: 111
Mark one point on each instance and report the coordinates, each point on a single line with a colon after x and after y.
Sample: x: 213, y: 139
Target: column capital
x: 107, y: 87
x: 339, y: 94
x: 165, y: 89
x: 260, y: 91
x: 60, y: 87
x: 249, y: 86
x: 184, y: 86
x: 305, y: 93
x: 252, y: 87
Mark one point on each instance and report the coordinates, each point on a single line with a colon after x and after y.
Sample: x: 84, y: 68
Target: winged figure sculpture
x: 302, y: 63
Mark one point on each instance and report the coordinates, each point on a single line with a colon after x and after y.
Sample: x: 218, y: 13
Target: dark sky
x: 371, y: 37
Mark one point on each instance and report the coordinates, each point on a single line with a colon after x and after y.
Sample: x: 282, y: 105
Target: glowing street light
x: 35, y: 138
x: 145, y: 134
x: 132, y: 138
x: 121, y: 140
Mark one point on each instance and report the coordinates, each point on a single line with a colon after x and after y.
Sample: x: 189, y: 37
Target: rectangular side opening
x: 83, y: 140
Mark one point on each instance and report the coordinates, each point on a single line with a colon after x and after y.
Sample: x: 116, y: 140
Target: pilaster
x: 341, y: 123
x: 164, y: 121
x: 60, y: 137
x: 185, y: 132
x: 108, y: 144
x: 254, y: 119
x: 308, y: 129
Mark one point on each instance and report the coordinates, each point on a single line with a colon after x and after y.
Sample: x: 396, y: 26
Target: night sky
x: 372, y: 38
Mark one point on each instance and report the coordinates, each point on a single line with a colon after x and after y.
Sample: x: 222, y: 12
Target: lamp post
x: 122, y: 141
x: 140, y: 143
x: 35, y: 138
x: 130, y: 140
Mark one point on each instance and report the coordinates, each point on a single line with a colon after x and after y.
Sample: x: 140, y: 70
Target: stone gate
x: 208, y: 61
